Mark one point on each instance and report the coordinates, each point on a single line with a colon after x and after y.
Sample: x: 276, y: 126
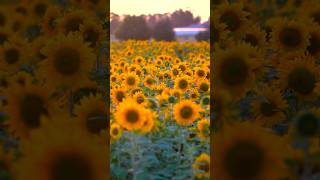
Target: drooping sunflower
x: 149, y: 123
x: 269, y: 107
x: 130, y: 115
x: 203, y: 128
x: 202, y: 166
x: 289, y: 36
x: 68, y: 62
x: 300, y: 75
x: 63, y: 152
x: 26, y: 105
x: 262, y: 151
x: 92, y: 114
x: 186, y: 112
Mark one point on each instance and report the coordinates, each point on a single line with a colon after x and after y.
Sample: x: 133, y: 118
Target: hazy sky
x: 136, y: 7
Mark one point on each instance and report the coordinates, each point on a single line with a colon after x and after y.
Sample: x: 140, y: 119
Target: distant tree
x: 114, y: 23
x: 133, y: 27
x: 182, y: 18
x: 163, y: 31
x: 203, y: 36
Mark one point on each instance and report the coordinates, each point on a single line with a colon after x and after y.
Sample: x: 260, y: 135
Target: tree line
x: 157, y: 26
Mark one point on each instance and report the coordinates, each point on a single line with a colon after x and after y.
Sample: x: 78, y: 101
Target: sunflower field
x: 160, y: 110
x: 266, y: 56
x: 53, y: 120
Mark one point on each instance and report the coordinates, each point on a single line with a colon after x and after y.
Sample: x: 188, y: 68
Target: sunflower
x: 140, y: 98
x: 203, y: 128
x: 68, y: 62
x: 115, y: 131
x: 232, y: 15
x: 4, y: 17
x: 26, y: 104
x: 92, y: 33
x: 288, y: 35
x: 49, y: 22
x: 269, y: 107
x: 262, y: 151
x: 5, y: 35
x: 194, y: 94
x: 118, y: 94
x: 92, y: 114
x: 307, y: 124
x: 149, y: 81
x: 182, y: 83
x: 300, y: 75
x: 130, y: 115
x: 131, y: 80
x: 314, y: 47
x: 149, y: 123
x: 256, y: 37
x: 38, y: 8
x: 313, y: 12
x: 186, y: 112
x: 72, y: 20
x: 175, y: 71
x: 12, y: 55
x: 200, y: 72
x: 234, y: 69
x: 63, y: 152
x: 203, y: 86
x: 202, y: 166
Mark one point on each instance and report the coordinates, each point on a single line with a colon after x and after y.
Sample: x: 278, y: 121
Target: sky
x: 137, y: 7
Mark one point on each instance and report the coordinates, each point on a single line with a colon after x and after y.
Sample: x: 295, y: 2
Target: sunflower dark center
x: 182, y: 68
x: 115, y: 131
x: 131, y: 81
x: 290, y: 37
x: 71, y: 166
x: 183, y: 84
x: 11, y: 56
x: 91, y: 36
x: 132, y: 116
x: 200, y: 73
x: 31, y: 108
x: 140, y: 100
x: 204, y: 166
x: 205, y: 100
x: 186, y: 112
x: 302, y: 80
x: 96, y: 121
x: 231, y: 19
x: 251, y: 39
x: 40, y: 9
x: 314, y: 46
x: 2, y: 19
x: 234, y: 71
x: 175, y: 72
x: 67, y: 61
x: 3, y: 38
x: 268, y: 108
x: 21, y: 10
x: 149, y: 81
x: 120, y: 96
x: 73, y: 24
x: 3, y: 166
x: 308, y: 125
x: 194, y: 95
x: 240, y: 152
x: 316, y: 17
x: 204, y: 87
